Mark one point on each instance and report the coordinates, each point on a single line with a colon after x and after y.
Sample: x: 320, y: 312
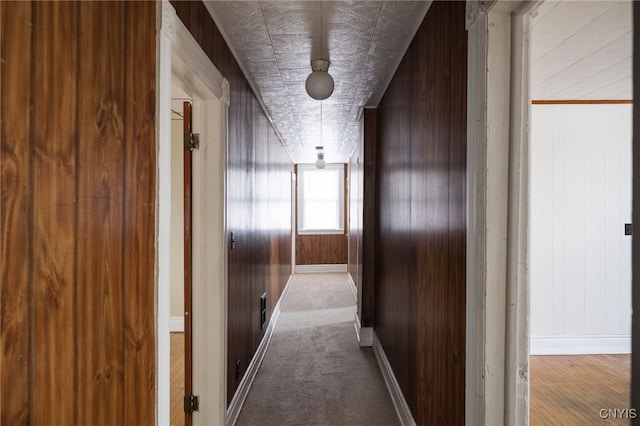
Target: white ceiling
x: 274, y: 42
x: 582, y: 50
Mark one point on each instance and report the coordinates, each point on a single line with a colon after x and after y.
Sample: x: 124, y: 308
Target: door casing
x: 182, y: 60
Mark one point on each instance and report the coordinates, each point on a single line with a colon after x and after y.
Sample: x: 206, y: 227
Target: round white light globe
x: 320, y: 163
x: 319, y: 85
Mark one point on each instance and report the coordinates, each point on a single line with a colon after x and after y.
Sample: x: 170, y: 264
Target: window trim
x: 341, y: 208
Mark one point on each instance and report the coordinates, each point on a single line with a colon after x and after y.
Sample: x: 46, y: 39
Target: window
x: 321, y: 199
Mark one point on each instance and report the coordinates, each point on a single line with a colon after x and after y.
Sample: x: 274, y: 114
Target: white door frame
x: 498, y: 110
x: 181, y: 59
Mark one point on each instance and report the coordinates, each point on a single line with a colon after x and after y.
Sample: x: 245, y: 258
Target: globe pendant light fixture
x: 319, y: 84
x: 320, y: 163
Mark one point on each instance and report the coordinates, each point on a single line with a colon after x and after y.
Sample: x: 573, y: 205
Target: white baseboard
x: 354, y: 289
x: 313, y: 269
x: 365, y: 334
x: 580, y: 345
x: 245, y: 384
x: 176, y: 324
x: 399, y: 403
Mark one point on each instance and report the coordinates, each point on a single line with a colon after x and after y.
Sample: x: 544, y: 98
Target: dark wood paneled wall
x: 78, y: 213
x: 324, y: 249
x: 354, y: 248
x: 259, y: 200
x: 363, y: 224
x: 420, y: 290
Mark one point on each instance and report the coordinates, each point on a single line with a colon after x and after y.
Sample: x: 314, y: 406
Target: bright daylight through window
x: 321, y: 199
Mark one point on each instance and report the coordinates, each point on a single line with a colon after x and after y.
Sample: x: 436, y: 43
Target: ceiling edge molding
x: 247, y: 76
x: 375, y: 100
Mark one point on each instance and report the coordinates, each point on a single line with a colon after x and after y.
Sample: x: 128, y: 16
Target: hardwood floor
x: 177, y: 379
x: 572, y: 389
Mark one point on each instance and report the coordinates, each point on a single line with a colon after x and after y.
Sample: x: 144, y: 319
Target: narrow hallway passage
x: 313, y: 371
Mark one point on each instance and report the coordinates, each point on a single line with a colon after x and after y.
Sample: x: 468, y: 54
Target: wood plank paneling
x: 15, y: 207
x: 138, y: 252
x: 100, y: 294
x: 78, y: 168
x: 421, y: 171
x: 370, y: 214
x: 258, y: 214
x: 362, y: 226
x: 321, y: 249
x: 54, y: 172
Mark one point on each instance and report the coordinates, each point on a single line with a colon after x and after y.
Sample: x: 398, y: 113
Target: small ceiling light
x: 319, y: 84
x: 320, y: 163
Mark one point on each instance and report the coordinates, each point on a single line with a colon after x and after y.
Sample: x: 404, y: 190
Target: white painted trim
x: 364, y: 334
x: 397, y: 397
x: 294, y: 228
x: 245, y: 384
x: 176, y: 324
x: 352, y: 286
x: 487, y: 120
x: 318, y: 269
x: 165, y: 34
x: 517, y: 291
x: 580, y: 345
x: 497, y: 295
x: 340, y: 213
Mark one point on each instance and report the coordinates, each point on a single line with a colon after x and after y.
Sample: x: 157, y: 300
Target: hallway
x: 313, y: 371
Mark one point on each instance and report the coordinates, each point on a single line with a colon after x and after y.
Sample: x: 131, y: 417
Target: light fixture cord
x: 321, y: 52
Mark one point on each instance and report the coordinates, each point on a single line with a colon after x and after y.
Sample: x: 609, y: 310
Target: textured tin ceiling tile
x: 276, y: 40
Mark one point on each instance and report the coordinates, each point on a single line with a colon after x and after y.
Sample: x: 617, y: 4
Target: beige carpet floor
x: 314, y: 372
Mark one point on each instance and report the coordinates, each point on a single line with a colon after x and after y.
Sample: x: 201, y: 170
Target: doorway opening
x: 498, y: 237
x: 185, y: 70
x: 580, y: 203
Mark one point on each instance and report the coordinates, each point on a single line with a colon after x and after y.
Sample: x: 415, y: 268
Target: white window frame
x: 338, y: 231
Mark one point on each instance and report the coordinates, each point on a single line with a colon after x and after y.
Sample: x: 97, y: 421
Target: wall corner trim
x: 245, y: 384
x: 365, y: 334
x: 352, y: 286
x: 399, y: 403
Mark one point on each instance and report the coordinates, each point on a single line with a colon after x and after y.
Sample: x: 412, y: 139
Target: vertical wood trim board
x: 370, y: 217
x: 78, y: 214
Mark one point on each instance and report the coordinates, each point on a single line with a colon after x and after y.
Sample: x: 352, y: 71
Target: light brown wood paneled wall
x: 321, y: 249
x: 420, y: 290
x: 259, y: 201
x: 78, y: 213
